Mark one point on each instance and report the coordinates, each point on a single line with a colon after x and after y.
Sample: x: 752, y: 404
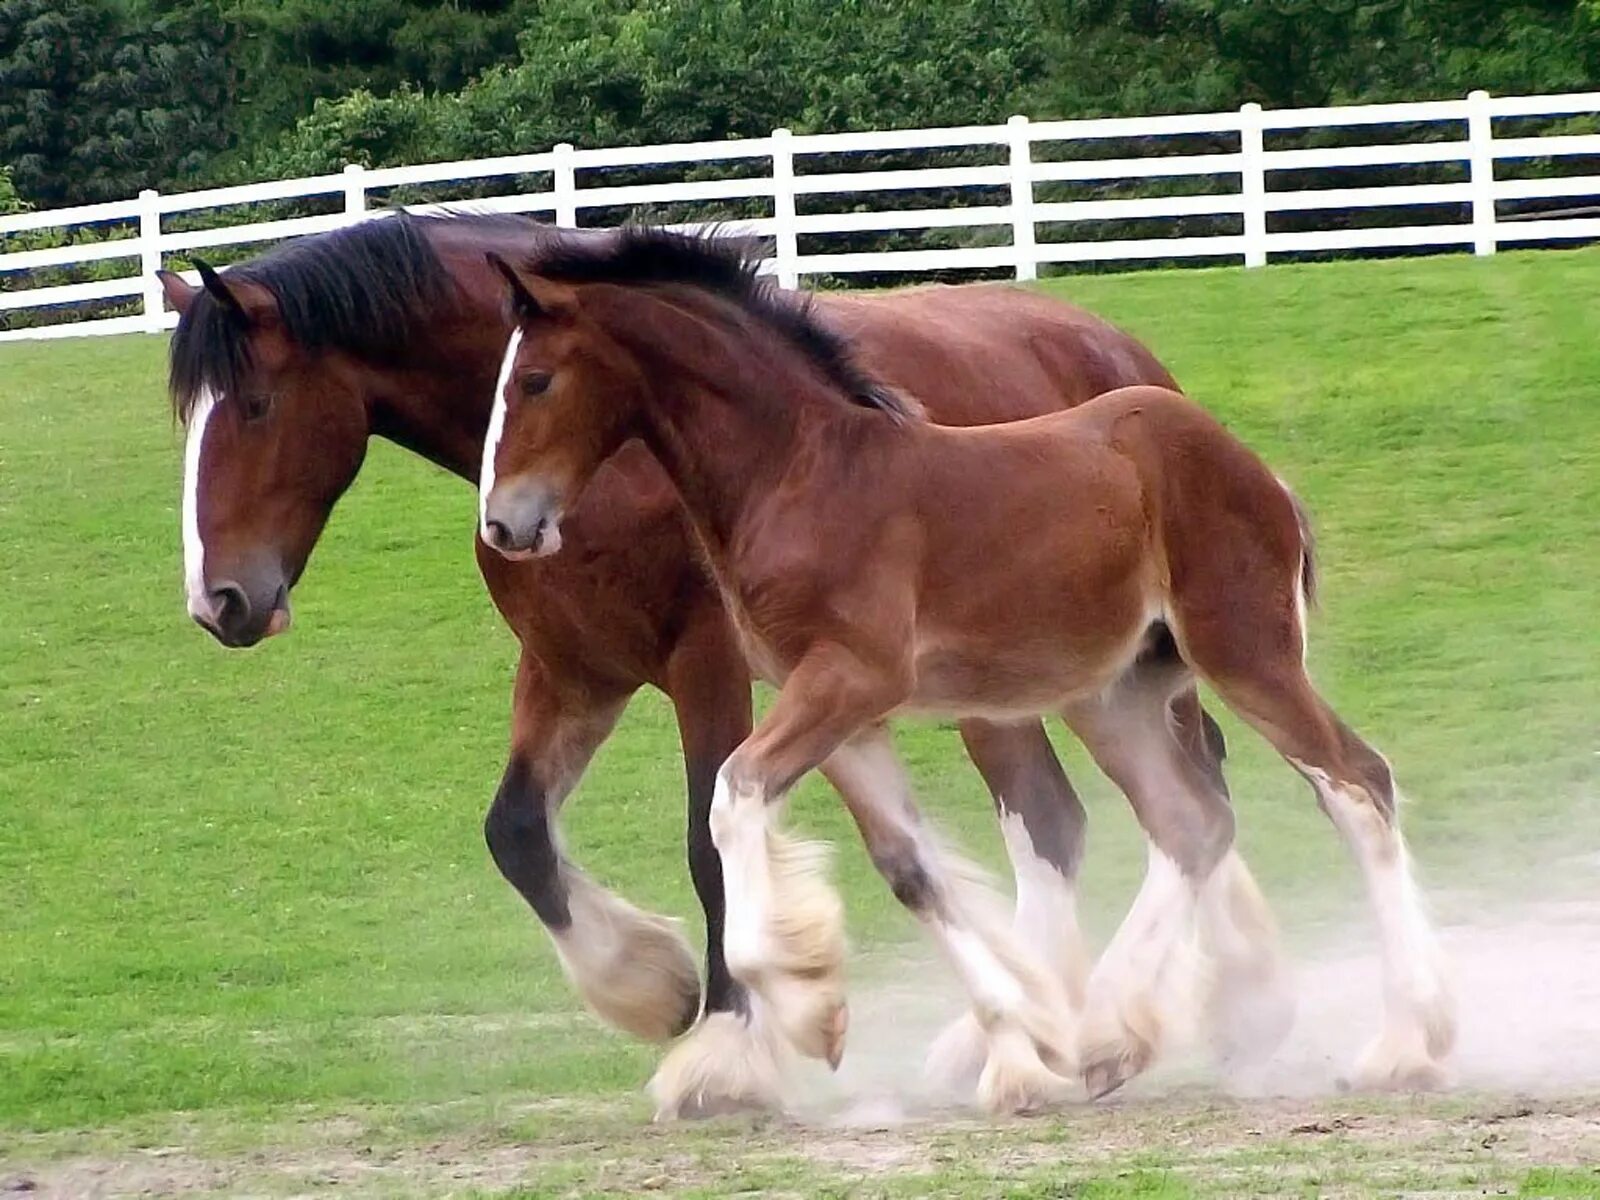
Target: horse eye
x: 535, y: 383
x: 257, y: 405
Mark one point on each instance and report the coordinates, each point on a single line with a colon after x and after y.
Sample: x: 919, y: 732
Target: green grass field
x: 249, y: 924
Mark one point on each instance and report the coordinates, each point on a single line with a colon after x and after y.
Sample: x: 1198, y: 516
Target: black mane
x: 726, y: 267
x: 364, y: 289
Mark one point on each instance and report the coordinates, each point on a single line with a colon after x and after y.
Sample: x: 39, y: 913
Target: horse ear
x: 220, y: 292
x: 249, y: 304
x: 179, y: 291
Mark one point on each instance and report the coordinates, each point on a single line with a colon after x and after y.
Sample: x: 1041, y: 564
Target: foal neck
x: 731, y: 409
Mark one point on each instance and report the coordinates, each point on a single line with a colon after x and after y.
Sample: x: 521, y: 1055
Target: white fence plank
x: 1138, y: 168
x: 83, y: 214
x: 97, y: 289
x: 577, y: 181
x: 55, y: 256
x: 1539, y: 189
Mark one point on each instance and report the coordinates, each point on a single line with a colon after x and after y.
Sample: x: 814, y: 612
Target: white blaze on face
x: 497, y: 425
x: 194, y: 551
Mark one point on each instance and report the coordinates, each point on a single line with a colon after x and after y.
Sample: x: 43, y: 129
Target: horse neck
x: 437, y: 403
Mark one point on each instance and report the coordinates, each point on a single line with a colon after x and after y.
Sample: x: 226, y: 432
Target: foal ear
x: 532, y: 298
x: 523, y: 306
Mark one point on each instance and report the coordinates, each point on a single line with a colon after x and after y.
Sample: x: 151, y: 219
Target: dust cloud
x: 1527, y: 982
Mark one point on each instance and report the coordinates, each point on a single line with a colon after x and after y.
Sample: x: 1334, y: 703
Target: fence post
x: 1480, y: 164
x: 1253, y: 184
x: 785, y: 230
x: 564, y: 183
x: 155, y: 306
x: 355, y: 191
x: 1022, y: 230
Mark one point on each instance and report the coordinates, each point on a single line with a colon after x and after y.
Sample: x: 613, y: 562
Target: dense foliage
x: 100, y: 97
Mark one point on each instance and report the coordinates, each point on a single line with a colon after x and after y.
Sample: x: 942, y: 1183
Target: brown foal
x: 1091, y: 563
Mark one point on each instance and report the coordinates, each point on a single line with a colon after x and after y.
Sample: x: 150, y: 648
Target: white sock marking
x: 497, y: 426
x: 1154, y: 927
x: 739, y: 829
x: 1413, y: 984
x: 1047, y: 905
x: 194, y: 550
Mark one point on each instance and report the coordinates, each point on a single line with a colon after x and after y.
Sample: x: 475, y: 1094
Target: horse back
x: 979, y: 355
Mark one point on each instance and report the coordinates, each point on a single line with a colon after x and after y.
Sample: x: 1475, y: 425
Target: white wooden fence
x: 1486, y: 172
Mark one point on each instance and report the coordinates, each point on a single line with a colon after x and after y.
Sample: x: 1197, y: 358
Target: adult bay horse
x: 1090, y: 563
x: 283, y: 367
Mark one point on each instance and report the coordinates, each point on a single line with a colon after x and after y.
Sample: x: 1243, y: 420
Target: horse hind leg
x: 1249, y: 1002
x: 1042, y: 822
x: 1136, y: 985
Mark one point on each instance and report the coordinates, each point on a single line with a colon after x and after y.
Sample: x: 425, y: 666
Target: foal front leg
x: 1026, y: 1022
x: 633, y: 969
x: 784, y: 936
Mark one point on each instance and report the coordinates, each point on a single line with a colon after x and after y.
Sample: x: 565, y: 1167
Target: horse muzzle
x: 229, y: 612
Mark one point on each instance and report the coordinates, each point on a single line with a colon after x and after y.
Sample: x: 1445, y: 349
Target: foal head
x: 563, y: 404
x: 599, y: 328
x: 270, y: 375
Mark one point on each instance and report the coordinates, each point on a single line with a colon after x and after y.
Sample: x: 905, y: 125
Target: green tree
x: 92, y: 110
x: 609, y: 72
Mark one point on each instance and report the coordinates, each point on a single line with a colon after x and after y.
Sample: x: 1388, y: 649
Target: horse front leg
x: 733, y: 1059
x: 1043, y: 824
x: 633, y: 969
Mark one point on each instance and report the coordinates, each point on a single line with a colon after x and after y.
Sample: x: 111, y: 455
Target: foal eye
x: 535, y: 383
x: 257, y: 405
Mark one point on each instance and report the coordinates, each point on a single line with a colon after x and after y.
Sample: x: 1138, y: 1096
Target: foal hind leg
x: 1019, y: 1005
x: 1189, y: 824
x: 1247, y: 637
x: 634, y: 969
x: 1042, y: 822
x: 1355, y: 788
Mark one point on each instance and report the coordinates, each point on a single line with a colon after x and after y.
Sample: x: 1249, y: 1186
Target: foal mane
x: 726, y: 267
x: 366, y: 289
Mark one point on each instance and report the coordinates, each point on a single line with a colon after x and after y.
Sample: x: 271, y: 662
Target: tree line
x: 99, y: 98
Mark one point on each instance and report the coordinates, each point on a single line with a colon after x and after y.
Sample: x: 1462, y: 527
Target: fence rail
x: 1255, y: 199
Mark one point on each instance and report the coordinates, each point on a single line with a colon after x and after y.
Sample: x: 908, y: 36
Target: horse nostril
x: 231, y: 606
x: 499, y: 534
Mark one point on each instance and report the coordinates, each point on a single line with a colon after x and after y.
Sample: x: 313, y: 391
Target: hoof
x: 1108, y: 1066
x: 1399, y: 1064
x: 1015, y: 1080
x: 811, y: 1014
x: 634, y: 969
x: 730, y: 1063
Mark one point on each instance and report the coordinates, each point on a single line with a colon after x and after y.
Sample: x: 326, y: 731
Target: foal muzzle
x: 522, y: 521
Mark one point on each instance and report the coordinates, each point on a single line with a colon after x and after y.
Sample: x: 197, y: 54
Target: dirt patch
x: 1529, y: 1096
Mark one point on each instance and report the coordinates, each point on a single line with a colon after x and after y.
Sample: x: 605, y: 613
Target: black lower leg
x: 723, y: 992
x: 518, y: 832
